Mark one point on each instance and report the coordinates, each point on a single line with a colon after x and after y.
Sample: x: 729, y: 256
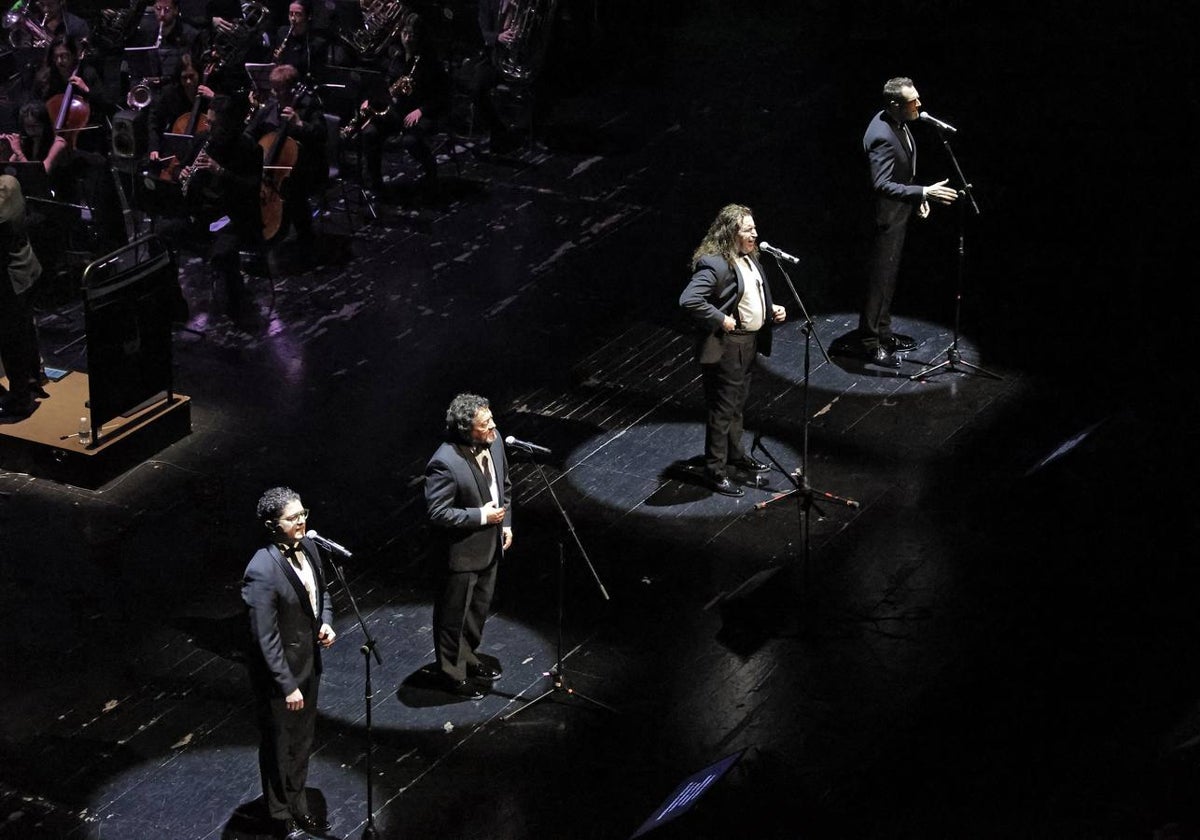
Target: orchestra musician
x: 80, y: 174
x: 292, y: 114
x: 498, y: 30
x: 297, y: 44
x: 417, y: 95
x: 178, y: 37
x: 36, y: 140
x: 176, y: 100
x: 60, y: 22
x: 223, y: 177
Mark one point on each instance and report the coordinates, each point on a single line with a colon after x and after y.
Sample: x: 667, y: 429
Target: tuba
x: 382, y: 21
x: 231, y: 47
x: 24, y: 31
x: 531, y: 22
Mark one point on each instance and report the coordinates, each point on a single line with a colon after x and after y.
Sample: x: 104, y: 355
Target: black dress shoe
x: 750, y: 465
x: 884, y: 357
x: 311, y: 824
x: 898, y: 343
x: 287, y: 830
x: 726, y: 487
x: 483, y: 671
x: 14, y: 407
x: 460, y: 688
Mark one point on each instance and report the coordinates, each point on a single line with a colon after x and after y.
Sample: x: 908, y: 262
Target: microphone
x: 776, y: 253
x: 328, y: 545
x: 938, y: 124
x: 526, y: 445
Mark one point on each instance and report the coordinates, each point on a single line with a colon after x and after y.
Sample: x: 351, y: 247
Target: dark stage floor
x: 995, y: 640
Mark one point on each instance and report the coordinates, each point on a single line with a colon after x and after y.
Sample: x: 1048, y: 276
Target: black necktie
x: 487, y: 472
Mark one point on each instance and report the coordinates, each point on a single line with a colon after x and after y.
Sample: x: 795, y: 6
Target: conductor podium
x: 96, y: 425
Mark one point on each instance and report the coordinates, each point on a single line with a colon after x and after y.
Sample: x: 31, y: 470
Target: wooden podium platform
x: 46, y: 444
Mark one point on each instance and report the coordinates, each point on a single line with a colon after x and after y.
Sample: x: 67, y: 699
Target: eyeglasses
x: 295, y: 517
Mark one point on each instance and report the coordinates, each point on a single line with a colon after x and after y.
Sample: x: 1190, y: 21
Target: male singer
x: 468, y: 495
x: 892, y: 155
x: 290, y: 614
x: 729, y: 300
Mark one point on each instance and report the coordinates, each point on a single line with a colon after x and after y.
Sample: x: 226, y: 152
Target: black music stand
x: 954, y: 362
x: 558, y: 678
x: 35, y: 180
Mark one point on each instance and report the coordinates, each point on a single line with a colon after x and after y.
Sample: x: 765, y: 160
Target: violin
x: 70, y: 110
x: 280, y: 154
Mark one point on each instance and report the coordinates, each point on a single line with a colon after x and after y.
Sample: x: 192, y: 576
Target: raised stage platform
x: 46, y: 444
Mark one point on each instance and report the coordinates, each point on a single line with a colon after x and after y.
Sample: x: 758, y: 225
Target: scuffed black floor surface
x: 997, y: 640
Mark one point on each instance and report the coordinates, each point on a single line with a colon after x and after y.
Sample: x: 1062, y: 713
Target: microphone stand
x: 803, y: 492
x: 557, y: 675
x: 368, y: 649
x: 953, y: 359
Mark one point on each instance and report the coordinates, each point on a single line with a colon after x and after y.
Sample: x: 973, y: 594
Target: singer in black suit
x: 290, y: 616
x: 892, y: 155
x: 468, y: 496
x: 729, y: 301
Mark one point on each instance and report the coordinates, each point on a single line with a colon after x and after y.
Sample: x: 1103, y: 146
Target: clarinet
x: 185, y: 174
x: 283, y: 44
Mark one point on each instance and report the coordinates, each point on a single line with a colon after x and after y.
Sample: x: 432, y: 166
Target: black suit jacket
x: 892, y: 170
x: 284, y: 651
x: 714, y: 292
x: 455, y: 490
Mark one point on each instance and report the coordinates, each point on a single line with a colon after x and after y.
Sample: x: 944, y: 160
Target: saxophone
x: 403, y: 86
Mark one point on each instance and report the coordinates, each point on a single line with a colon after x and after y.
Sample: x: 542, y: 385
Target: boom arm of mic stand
x: 571, y: 528
x: 808, y: 323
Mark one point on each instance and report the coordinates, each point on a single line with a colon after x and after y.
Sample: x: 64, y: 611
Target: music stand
x: 953, y: 358
x: 558, y: 679
x: 260, y: 79
x: 143, y: 62
x: 35, y: 180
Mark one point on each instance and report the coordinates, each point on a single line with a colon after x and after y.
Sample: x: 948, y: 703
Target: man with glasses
x: 468, y: 496
x: 892, y: 155
x: 290, y: 614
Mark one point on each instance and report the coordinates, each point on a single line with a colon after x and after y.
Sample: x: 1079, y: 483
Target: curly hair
x: 460, y: 416
x: 273, y: 502
x: 721, y: 238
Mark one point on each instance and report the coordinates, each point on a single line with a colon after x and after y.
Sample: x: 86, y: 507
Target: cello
x: 71, y: 111
x: 191, y: 122
x: 280, y: 154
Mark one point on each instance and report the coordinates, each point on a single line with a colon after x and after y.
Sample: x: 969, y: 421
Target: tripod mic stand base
x: 952, y: 363
x: 558, y: 685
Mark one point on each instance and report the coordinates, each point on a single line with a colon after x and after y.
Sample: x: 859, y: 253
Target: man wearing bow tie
x: 290, y: 621
x: 468, y: 496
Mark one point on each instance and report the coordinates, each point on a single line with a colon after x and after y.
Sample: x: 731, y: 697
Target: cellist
x: 85, y: 176
x: 291, y: 114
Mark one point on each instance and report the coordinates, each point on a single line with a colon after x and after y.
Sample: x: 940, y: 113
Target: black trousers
x: 18, y: 342
x: 726, y: 387
x: 875, y: 321
x: 459, y: 615
x: 414, y: 139
x: 285, y: 744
